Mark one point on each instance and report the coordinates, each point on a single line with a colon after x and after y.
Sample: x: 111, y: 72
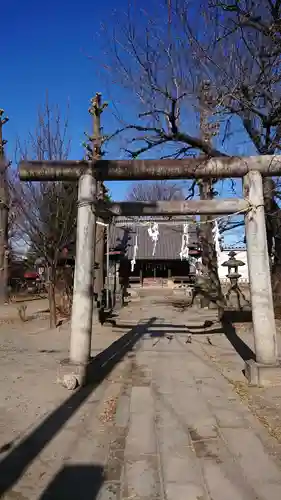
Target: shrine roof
x: 123, y: 237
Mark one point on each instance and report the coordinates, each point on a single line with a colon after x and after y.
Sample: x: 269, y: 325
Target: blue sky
x: 50, y: 46
x: 53, y: 47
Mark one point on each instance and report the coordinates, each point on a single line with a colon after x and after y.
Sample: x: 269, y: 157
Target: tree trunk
x: 268, y: 190
x: 52, y: 297
x: 4, y: 244
x: 64, y: 290
x: 96, y: 110
x: 99, y: 263
x: 209, y: 255
x: 273, y: 228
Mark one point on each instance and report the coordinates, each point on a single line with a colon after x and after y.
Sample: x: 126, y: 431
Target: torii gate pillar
x: 82, y: 307
x: 263, y: 371
x: 74, y: 371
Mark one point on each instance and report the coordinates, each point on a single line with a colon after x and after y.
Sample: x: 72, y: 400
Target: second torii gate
x: 266, y: 370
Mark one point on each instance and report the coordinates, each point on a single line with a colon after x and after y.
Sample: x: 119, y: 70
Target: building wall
x: 241, y: 254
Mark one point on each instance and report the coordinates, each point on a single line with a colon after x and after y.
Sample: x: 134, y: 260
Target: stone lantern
x: 233, y: 264
x: 233, y: 275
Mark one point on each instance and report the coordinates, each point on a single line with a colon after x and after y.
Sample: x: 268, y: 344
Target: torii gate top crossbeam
x: 189, y: 168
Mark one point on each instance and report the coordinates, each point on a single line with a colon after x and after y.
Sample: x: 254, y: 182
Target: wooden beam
x: 193, y: 207
x: 188, y: 168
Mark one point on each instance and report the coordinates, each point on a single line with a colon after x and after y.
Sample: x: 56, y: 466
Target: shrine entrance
x: 166, y: 269
x: 160, y: 250
x: 154, y: 269
x: 266, y: 369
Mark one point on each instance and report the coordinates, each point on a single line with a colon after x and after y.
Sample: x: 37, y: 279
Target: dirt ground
x: 35, y: 308
x: 47, y: 432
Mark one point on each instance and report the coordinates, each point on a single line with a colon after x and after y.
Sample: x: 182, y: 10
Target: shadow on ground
x: 75, y: 482
x: 237, y: 316
x: 18, y: 459
x: 244, y: 351
x: 209, y: 328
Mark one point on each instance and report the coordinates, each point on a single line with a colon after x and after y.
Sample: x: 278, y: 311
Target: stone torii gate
x: 266, y: 370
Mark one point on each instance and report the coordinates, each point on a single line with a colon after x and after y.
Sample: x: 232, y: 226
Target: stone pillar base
x: 72, y: 375
x: 261, y: 375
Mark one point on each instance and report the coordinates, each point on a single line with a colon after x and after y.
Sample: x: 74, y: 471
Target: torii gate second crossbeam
x: 266, y: 369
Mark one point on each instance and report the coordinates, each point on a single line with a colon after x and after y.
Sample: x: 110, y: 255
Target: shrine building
x: 154, y: 251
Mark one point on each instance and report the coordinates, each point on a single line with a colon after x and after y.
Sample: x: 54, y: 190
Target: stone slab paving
x: 161, y: 421
x: 189, y: 434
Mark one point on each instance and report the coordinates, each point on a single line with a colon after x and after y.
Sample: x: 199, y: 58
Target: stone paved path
x: 189, y: 435
x: 160, y: 424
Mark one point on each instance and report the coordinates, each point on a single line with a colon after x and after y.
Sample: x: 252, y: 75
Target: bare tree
x: 155, y: 191
x: 46, y: 211
x: 249, y: 88
x: 168, y: 92
x: 235, y: 46
x: 155, y: 46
